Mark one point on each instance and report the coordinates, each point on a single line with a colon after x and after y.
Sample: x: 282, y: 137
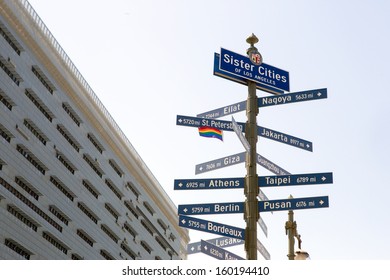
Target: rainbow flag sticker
x: 210, y: 132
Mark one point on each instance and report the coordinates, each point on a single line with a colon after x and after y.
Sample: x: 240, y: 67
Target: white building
x: 71, y: 184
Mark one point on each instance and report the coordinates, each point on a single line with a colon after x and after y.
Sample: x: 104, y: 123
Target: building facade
x: 71, y: 184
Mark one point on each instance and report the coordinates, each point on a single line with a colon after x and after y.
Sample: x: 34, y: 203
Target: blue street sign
x: 262, y: 250
x: 224, y: 111
x: 208, y: 184
x: 211, y: 227
x: 220, y: 163
x: 198, y: 122
x: 296, y: 180
x: 222, y: 242
x: 211, y: 208
x: 226, y: 75
x: 294, y: 204
x: 269, y: 165
x: 217, y: 252
x: 285, y: 138
x: 265, y: 74
x: 307, y: 95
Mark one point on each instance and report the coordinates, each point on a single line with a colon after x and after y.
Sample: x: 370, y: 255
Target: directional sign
x: 262, y: 250
x: 220, y: 163
x: 267, y: 164
x: 226, y: 75
x: 296, y: 179
x: 208, y: 184
x: 285, y: 138
x: 211, y: 227
x: 222, y: 242
x: 217, y: 252
x: 294, y: 204
x: 240, y: 135
x: 211, y: 208
x: 197, y: 122
x: 224, y: 111
x: 307, y: 95
x: 265, y: 74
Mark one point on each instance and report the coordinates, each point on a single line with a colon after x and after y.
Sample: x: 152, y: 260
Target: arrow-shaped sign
x: 211, y: 227
x: 307, y: 95
x: 217, y: 252
x: 294, y: 204
x: 224, y: 111
x: 296, y: 179
x: 222, y: 242
x: 211, y: 208
x: 220, y: 163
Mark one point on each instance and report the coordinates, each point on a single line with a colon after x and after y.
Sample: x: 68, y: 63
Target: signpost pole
x: 251, y: 214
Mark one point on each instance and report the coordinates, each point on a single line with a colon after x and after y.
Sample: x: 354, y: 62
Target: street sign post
x: 219, y: 163
x: 294, y: 204
x: 211, y: 227
x: 241, y: 66
x: 211, y: 208
x: 217, y: 252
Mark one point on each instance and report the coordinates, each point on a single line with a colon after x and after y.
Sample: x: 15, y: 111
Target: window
x: 61, y: 186
x: 71, y: 140
x: 66, y: 162
x: 43, y: 79
x: 39, y: 104
x: 87, y: 212
x: 10, y: 39
x: 5, y: 134
x: 109, y: 232
x: 72, y: 114
x: 133, y: 189
x: 132, y: 210
x: 162, y: 225
x: 61, y: 216
x: 90, y: 188
x: 32, y: 159
x: 9, y: 69
x: 85, y: 237
x: 27, y: 187
x: 6, y: 100
x: 130, y: 230
x: 35, y: 131
x: 13, y: 245
x: 128, y: 251
x: 115, y: 167
x: 24, y: 218
x: 95, y: 142
x: 161, y: 242
x: 76, y: 257
x: 146, y: 247
x: 55, y: 242
x: 94, y: 165
x: 147, y: 227
x: 106, y: 255
x: 113, y: 212
x: 149, y: 208
x: 113, y: 188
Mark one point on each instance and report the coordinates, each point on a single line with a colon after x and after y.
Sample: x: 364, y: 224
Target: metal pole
x: 290, y: 230
x: 251, y: 186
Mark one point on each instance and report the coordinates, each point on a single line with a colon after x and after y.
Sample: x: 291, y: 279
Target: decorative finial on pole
x: 252, y: 51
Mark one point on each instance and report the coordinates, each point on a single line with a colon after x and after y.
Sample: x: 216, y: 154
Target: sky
x: 150, y: 60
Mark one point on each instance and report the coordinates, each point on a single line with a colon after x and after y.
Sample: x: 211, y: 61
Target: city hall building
x: 71, y: 184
